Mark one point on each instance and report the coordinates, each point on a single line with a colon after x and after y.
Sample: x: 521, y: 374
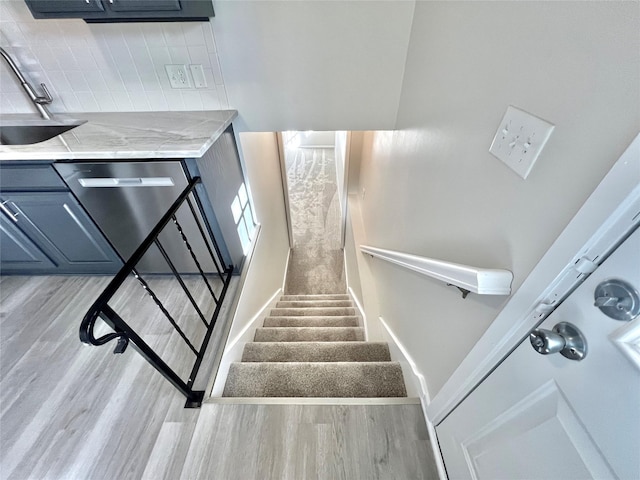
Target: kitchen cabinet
x: 122, y: 10
x: 145, y: 5
x: 44, y: 229
x: 19, y: 253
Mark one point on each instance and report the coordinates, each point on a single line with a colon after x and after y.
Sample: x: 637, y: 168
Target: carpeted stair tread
x: 346, y: 321
x: 297, y: 298
x: 312, y: 312
x: 315, y: 379
x: 313, y: 303
x: 309, y: 334
x: 316, y: 352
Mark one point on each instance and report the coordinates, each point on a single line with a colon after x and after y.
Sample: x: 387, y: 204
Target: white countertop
x: 126, y: 135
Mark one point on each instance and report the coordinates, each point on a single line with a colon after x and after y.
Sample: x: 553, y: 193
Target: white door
x: 547, y: 417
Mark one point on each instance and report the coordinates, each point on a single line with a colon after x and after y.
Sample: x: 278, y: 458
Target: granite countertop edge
x: 125, y: 136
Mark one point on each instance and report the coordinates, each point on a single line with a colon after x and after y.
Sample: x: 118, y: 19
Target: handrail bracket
x: 464, y: 291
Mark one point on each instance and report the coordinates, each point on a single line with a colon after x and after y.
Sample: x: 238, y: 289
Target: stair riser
x: 312, y: 312
x: 311, y: 334
x: 349, y: 379
x: 312, y: 346
x: 316, y: 352
x: 315, y: 304
x: 311, y: 322
x: 295, y: 298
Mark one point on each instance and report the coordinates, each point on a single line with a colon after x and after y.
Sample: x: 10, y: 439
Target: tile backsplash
x: 106, y: 67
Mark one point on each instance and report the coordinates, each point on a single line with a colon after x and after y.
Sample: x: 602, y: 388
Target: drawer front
x: 65, y: 6
x: 144, y: 5
x: 29, y: 177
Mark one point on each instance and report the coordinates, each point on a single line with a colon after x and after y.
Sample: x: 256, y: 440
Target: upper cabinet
x: 95, y: 11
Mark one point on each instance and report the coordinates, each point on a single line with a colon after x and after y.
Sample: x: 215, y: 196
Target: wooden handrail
x: 483, y: 281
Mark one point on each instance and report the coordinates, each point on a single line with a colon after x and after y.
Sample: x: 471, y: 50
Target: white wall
x: 433, y: 189
x: 341, y: 156
x: 264, y: 276
x: 267, y: 270
x: 309, y: 65
x: 106, y: 67
x: 313, y: 65
x: 362, y: 281
x: 351, y: 262
x: 317, y: 139
x: 356, y: 140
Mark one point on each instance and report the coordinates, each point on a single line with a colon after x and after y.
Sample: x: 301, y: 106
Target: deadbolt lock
x: 617, y: 299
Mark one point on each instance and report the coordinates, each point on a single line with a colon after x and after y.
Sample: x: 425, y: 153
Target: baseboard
x: 361, y: 313
x: 233, y: 311
x: 346, y: 270
x: 233, y: 350
x: 258, y: 316
x: 417, y: 386
x: 435, y: 447
x: 286, y: 270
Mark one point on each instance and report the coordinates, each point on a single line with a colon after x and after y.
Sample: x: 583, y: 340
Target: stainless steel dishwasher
x: 127, y: 199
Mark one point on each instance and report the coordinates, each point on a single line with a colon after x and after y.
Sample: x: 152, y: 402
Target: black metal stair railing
x: 125, y: 335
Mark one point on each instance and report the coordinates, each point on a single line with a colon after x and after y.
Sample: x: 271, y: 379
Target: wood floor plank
x: 28, y: 316
x: 311, y: 442
x: 169, y: 452
x: 70, y: 411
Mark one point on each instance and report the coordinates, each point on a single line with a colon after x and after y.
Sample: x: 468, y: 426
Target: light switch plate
x: 178, y: 76
x: 197, y: 73
x: 520, y: 139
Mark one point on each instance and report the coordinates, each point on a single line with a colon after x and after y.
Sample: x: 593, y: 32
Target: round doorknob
x: 565, y: 338
x: 546, y: 341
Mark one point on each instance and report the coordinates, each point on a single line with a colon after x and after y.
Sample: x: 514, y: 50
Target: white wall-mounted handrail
x: 483, y: 281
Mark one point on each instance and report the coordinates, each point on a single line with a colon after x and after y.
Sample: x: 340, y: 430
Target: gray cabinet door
x: 18, y: 254
x: 56, y: 222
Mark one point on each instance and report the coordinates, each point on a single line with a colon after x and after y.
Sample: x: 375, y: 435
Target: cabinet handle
x: 10, y: 214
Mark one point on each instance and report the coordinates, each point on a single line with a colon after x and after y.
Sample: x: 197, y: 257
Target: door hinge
x: 584, y: 266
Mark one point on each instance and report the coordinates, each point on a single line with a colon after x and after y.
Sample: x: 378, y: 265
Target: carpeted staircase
x: 313, y: 346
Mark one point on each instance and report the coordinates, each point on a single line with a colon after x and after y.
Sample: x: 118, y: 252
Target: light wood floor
x: 70, y: 411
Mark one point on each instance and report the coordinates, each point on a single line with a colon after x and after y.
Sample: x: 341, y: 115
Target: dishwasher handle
x: 117, y: 182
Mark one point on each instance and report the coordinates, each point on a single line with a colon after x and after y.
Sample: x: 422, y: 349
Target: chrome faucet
x: 40, y: 101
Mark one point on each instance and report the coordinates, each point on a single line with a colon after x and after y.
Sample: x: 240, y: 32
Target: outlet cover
x: 178, y: 76
x: 520, y: 139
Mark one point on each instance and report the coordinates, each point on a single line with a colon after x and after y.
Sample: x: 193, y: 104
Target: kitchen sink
x: 27, y: 132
